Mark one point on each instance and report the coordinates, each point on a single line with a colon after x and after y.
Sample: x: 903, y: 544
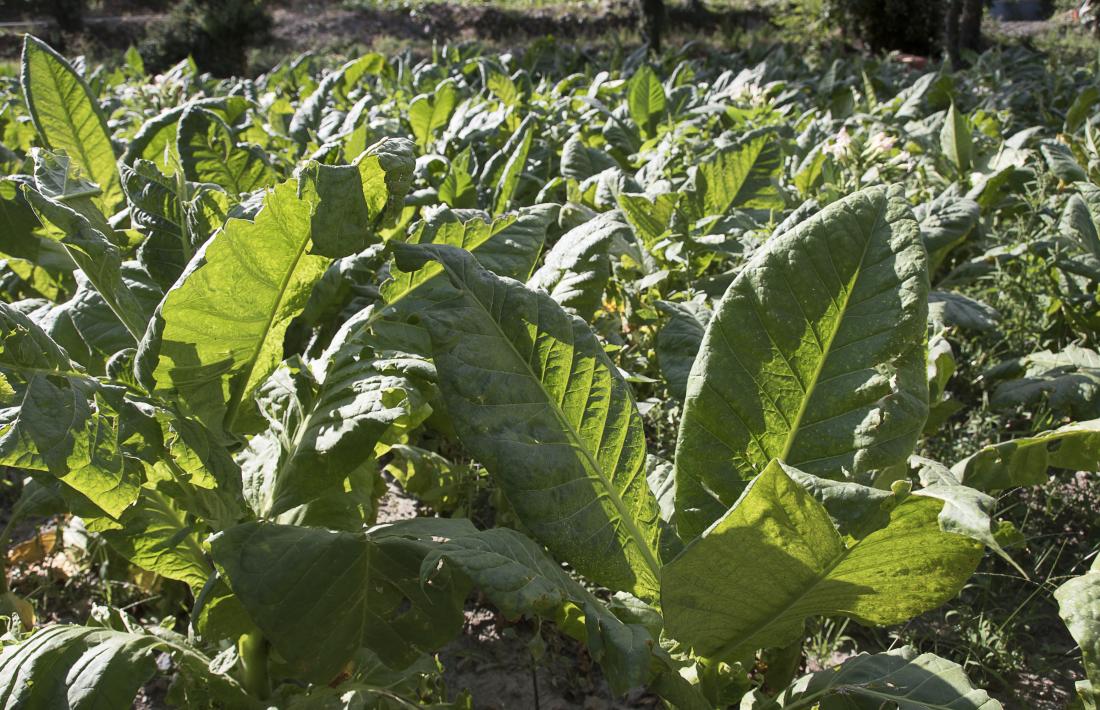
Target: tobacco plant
x: 231, y: 305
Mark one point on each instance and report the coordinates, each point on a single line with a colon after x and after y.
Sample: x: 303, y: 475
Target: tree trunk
x: 951, y: 33
x: 69, y: 14
x: 653, y: 16
x: 970, y: 26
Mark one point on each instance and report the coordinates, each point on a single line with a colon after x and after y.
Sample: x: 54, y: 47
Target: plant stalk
x: 783, y: 664
x: 253, y: 650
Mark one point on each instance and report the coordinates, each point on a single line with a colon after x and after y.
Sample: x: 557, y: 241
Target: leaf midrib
x: 827, y: 347
x: 233, y: 408
x: 613, y: 495
x: 67, y: 114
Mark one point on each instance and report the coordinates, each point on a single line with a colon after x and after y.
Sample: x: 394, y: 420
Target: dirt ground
x: 310, y: 26
x: 494, y: 660
x: 318, y: 24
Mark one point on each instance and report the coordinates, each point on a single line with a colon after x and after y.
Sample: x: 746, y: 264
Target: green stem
x: 5, y: 537
x: 783, y: 664
x: 253, y: 650
x: 182, y: 195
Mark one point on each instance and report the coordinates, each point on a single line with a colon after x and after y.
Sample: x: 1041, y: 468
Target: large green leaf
x: 955, y: 140
x: 89, y: 668
x: 219, y: 331
x: 899, y: 678
x: 742, y: 175
x: 534, y: 397
x: 68, y: 118
x: 427, y: 114
x: 1079, y: 606
x: 358, y: 199
x: 508, y: 246
x: 646, y: 99
x: 801, y: 568
x: 63, y: 427
x: 223, y: 322
x: 815, y: 355
x: 1025, y: 461
x: 208, y: 153
x: 319, y: 596
x: 157, y: 536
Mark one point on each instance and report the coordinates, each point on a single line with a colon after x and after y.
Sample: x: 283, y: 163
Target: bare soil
x: 318, y: 25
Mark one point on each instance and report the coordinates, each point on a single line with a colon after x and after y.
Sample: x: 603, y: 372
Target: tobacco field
x: 728, y: 373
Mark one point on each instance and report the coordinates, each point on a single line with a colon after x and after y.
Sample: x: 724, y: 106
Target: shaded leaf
x: 901, y: 676
x: 679, y: 340
x: 1062, y: 163
x: 946, y: 308
x: 576, y: 270
x: 1067, y: 381
x: 371, y: 593
x: 321, y: 431
x: 86, y: 668
x: 521, y: 580
x: 63, y: 203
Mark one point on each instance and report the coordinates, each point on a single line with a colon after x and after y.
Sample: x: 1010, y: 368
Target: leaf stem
x: 253, y: 650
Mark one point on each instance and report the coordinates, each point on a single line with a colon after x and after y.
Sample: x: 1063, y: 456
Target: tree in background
x: 216, y: 33
x: 952, y: 26
x: 886, y: 25
x: 653, y: 22
x: 963, y: 29
x: 69, y: 14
